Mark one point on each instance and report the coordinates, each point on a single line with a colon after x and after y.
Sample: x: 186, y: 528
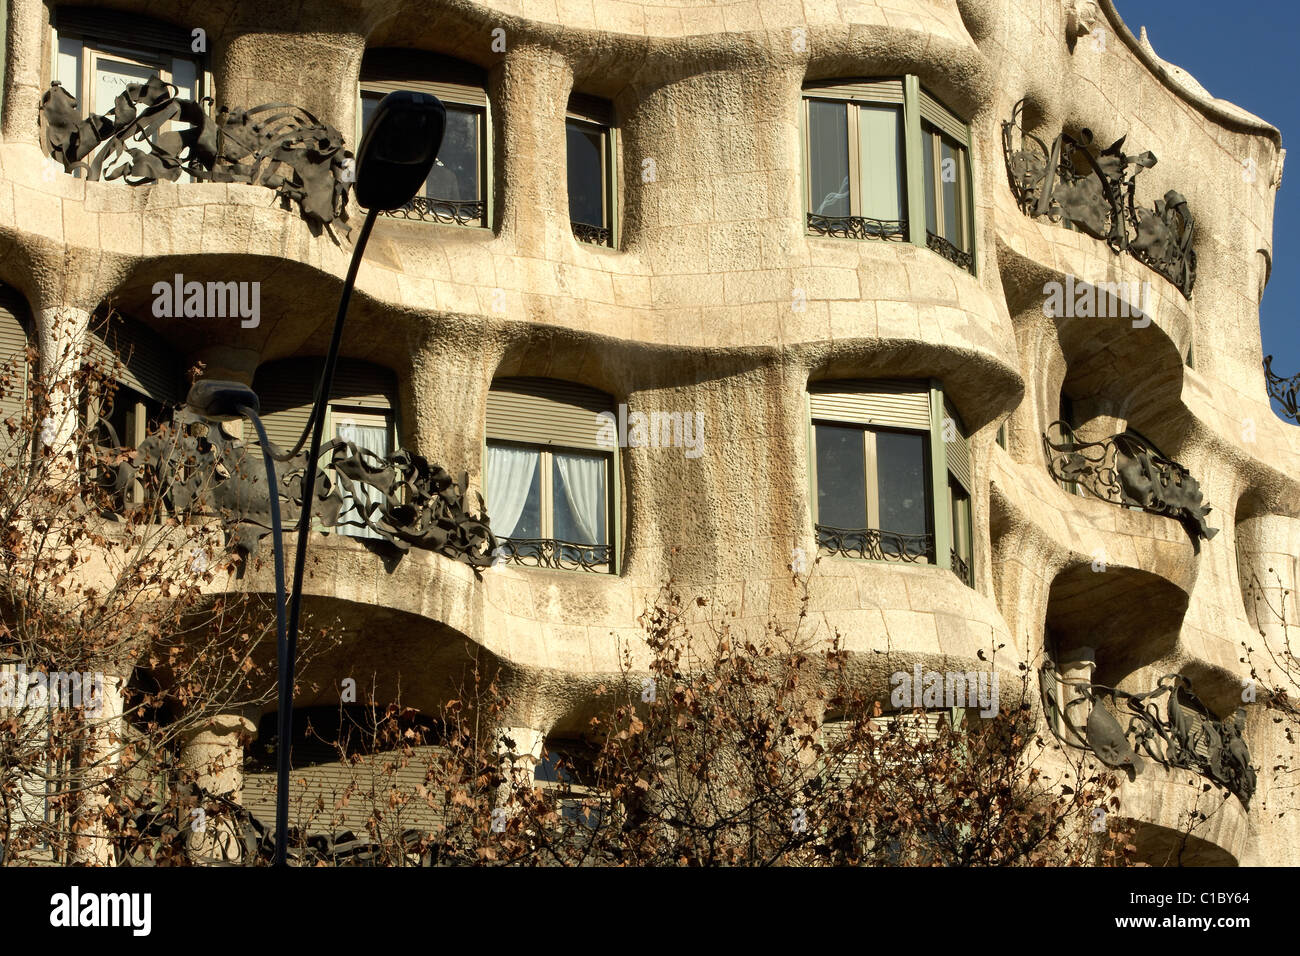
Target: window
x: 99, y: 52
x: 360, y: 410
x: 877, y: 154
x: 957, y: 459
x: 14, y: 324
x: 878, y: 452
x: 589, y: 144
x: 855, y: 160
x: 457, y: 191
x: 550, y: 481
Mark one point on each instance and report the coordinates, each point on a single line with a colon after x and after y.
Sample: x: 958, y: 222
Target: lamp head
x: 220, y: 400
x: 398, y: 149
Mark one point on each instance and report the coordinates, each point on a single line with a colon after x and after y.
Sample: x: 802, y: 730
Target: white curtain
x: 510, y: 477
x: 582, y: 479
x: 373, y: 439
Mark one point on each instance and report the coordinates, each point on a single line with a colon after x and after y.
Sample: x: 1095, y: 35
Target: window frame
x: 607, y: 191
x: 462, y: 96
x: 922, y: 114
x: 531, y: 436
x: 90, y: 48
x: 366, y: 416
x: 546, y: 492
x: 938, y: 470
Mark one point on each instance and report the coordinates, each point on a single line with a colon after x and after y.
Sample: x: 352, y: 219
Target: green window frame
x: 556, y: 421
x: 462, y: 88
x: 838, y: 410
x: 590, y: 118
x: 904, y: 160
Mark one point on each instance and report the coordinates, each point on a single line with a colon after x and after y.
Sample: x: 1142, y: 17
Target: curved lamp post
x: 396, y: 154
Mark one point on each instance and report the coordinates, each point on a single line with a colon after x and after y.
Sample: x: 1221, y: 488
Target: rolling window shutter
x: 286, y: 389
x: 362, y: 385
x: 893, y: 403
x: 941, y: 118
x: 543, y: 411
x: 958, y: 451
x: 13, y: 343
x: 135, y: 356
x: 124, y: 29
x: 592, y: 109
x: 386, y: 70
x: 872, y: 91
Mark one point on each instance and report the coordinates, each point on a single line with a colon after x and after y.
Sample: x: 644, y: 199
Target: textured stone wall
x: 694, y: 312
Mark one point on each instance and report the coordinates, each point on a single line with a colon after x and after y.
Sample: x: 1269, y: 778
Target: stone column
x: 25, y: 32
x: 521, y: 750
x: 530, y: 97
x: 92, y: 845
x: 62, y: 331
x: 1075, y: 667
x: 214, y: 753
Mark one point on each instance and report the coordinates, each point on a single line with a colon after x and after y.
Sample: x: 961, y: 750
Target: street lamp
x: 393, y: 161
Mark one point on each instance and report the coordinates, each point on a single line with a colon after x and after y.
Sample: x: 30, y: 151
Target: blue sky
x: 1246, y: 53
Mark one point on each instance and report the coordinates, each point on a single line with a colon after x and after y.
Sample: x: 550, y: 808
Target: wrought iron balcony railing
x: 875, y: 545
x: 194, y: 467
x: 1087, y: 716
x: 1128, y: 470
x: 858, y: 227
x: 1094, y: 190
x: 553, y: 553
x: 1282, y: 390
x: 596, y: 235
x: 956, y: 256
x: 450, y: 211
x: 153, y: 135
x: 962, y: 569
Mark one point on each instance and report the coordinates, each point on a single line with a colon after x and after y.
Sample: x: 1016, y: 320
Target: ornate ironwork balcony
x: 453, y: 212
x: 1094, y: 190
x: 950, y: 252
x: 274, y: 145
x: 596, y: 235
x: 858, y: 227
x: 875, y: 545
x: 961, y: 569
x: 1184, y: 736
x: 1282, y: 390
x: 1128, y: 470
x: 553, y: 553
x: 193, y: 466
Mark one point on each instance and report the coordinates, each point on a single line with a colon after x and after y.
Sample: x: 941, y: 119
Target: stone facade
x: 693, y: 311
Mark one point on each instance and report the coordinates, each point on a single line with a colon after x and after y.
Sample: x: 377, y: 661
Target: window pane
x: 927, y: 160
x: 828, y: 158
x: 369, y: 103
x: 586, y: 147
x: 880, y: 152
x: 578, y: 508
x: 960, y: 504
x: 950, y: 173
x: 185, y: 76
x: 901, y: 482
x: 373, y: 438
x: 514, y: 480
x: 455, y: 173
x: 841, y: 477
x: 111, y: 78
